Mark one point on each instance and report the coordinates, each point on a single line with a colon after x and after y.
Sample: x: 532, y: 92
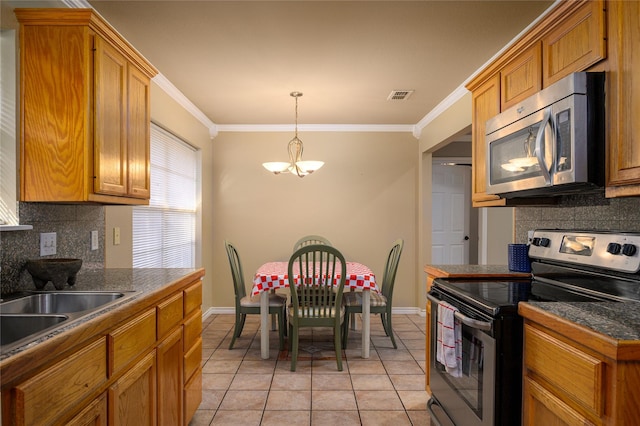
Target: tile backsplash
x: 72, y: 224
x: 592, y: 212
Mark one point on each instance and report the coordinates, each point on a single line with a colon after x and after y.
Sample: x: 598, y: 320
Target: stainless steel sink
x: 16, y: 327
x: 56, y: 302
x: 33, y: 315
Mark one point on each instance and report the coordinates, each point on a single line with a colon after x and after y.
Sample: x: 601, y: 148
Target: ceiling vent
x: 399, y: 95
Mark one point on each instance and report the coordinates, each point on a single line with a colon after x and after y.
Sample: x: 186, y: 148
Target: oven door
x: 469, y: 399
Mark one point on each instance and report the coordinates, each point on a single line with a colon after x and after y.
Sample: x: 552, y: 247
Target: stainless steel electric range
x: 567, y: 266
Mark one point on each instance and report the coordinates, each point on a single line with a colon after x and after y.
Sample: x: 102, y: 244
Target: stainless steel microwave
x: 552, y: 143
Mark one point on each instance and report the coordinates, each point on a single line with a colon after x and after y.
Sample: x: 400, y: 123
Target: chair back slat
x: 317, y: 274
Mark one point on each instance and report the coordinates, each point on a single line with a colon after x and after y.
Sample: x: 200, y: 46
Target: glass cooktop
x: 503, y: 296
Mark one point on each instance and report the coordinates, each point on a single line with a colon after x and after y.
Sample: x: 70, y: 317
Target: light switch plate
x: 47, y: 243
x: 116, y: 236
x: 94, y: 240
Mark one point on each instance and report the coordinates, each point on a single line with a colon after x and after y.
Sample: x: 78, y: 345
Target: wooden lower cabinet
x: 132, y: 372
x: 575, y: 376
x: 132, y: 399
x: 192, y: 359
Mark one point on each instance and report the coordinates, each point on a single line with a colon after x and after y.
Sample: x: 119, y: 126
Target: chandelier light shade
x: 295, y: 165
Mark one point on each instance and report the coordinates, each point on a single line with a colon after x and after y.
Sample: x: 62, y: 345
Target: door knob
x: 466, y: 237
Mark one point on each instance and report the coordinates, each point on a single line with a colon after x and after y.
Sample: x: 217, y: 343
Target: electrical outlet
x: 116, y: 236
x: 47, y: 243
x: 94, y: 240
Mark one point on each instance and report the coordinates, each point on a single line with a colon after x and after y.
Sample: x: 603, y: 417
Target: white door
x: 451, y: 205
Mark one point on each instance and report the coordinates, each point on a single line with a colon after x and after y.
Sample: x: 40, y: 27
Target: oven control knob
x: 613, y: 248
x: 536, y: 241
x: 545, y: 242
x: 628, y: 249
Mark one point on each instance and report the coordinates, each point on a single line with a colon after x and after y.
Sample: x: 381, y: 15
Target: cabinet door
x: 623, y: 101
x: 521, y: 78
x: 138, y: 134
x: 485, y: 104
x: 132, y: 399
x: 54, y: 118
x: 110, y: 143
x: 170, y: 379
x: 576, y: 43
x: 95, y: 414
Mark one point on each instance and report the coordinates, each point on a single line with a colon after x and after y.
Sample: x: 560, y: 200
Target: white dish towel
x: 449, y: 339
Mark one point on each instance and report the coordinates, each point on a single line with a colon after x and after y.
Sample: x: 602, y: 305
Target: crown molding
x: 390, y: 128
x: 171, y: 90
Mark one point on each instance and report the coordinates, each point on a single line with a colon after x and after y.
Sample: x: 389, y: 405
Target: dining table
x: 274, y: 275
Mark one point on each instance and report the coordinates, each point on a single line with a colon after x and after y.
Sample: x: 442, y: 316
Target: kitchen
x: 242, y: 192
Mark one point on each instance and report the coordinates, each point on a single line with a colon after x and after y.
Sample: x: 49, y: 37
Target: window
x: 164, y: 231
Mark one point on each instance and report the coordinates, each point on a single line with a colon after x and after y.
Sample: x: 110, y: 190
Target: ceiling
x: 237, y: 61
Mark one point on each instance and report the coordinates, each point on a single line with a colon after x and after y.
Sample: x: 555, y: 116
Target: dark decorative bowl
x: 58, y: 271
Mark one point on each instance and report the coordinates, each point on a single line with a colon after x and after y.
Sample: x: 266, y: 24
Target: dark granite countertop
x: 619, y: 320
x: 144, y: 282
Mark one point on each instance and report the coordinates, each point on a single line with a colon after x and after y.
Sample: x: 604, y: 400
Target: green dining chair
x: 380, y: 303
x: 311, y: 239
x: 316, y: 294
x: 246, y: 305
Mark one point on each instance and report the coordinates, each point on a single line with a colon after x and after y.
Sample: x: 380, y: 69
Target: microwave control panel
x: 607, y: 250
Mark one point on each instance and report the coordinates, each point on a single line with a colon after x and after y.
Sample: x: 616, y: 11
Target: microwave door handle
x: 469, y: 322
x: 540, y: 146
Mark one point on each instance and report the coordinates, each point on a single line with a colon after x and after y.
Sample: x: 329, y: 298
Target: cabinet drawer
x: 192, y: 359
x: 94, y: 414
x: 169, y: 314
x: 192, y: 297
x: 42, y: 398
x: 131, y: 340
x: 543, y: 407
x: 192, y: 329
x: 578, y: 375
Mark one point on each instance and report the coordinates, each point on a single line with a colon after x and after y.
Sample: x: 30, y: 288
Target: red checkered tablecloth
x: 273, y: 275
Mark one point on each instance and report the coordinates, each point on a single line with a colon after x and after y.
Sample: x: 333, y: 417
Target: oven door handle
x: 469, y: 322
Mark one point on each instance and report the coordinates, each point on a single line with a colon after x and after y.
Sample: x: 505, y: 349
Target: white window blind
x: 164, y: 231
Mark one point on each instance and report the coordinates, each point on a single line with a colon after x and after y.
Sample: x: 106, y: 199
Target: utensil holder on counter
x: 519, y: 258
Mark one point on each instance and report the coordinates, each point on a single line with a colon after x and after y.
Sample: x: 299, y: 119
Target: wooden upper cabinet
x: 623, y: 100
x: 485, y: 104
x: 521, y: 77
x: 85, y: 110
x: 575, y: 43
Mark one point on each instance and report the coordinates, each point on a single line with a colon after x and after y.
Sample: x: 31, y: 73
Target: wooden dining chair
x: 311, y: 239
x: 246, y: 305
x: 380, y: 302
x: 317, y: 274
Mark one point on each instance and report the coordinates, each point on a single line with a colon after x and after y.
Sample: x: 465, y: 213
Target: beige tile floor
x: 239, y: 388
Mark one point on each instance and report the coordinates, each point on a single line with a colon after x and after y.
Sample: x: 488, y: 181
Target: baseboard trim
x: 232, y: 311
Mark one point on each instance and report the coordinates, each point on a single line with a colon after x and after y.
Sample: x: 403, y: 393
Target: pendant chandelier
x: 295, y: 165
